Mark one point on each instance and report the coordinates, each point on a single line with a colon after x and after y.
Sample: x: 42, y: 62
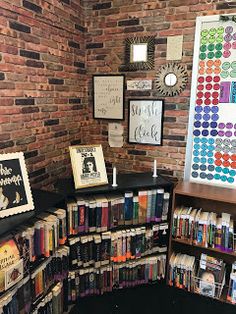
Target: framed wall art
x: 211, y: 143
x: 139, y: 53
x: 108, y: 97
x: 145, y: 121
x: 15, y: 192
x: 88, y: 165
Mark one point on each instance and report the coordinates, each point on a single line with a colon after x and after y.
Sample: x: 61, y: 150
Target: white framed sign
x: 15, y: 192
x: 108, y: 97
x: 139, y: 84
x: 145, y: 121
x: 88, y: 165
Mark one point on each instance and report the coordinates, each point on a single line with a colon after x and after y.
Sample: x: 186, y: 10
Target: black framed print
x: 15, y: 192
x: 108, y: 96
x: 88, y: 165
x: 145, y: 121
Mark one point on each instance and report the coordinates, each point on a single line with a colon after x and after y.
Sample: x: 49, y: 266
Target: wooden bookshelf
x: 209, y: 198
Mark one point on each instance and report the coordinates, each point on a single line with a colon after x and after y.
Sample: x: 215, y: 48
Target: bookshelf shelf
x: 209, y: 199
x: 125, y: 242
x: 200, y: 247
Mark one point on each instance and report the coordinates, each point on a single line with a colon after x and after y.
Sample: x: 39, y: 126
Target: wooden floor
x: 151, y: 299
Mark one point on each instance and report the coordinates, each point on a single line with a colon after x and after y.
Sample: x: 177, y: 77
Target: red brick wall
x: 109, y: 23
x: 42, y: 83
x: 44, y: 72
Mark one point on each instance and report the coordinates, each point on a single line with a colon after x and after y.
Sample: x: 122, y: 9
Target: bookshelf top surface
x: 43, y: 200
x: 208, y: 192
x: 131, y: 181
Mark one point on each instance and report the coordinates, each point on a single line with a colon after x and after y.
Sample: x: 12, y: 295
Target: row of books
x: 206, y: 276
x: 54, y: 269
x: 95, y: 281
x: 42, y: 236
x: 104, y: 212
x: 52, y: 303
x: 28, y: 295
x: 204, y: 228
x: 101, y: 249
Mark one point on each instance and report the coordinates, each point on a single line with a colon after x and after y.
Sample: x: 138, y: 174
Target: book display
x: 202, y: 243
x: 34, y: 260
x: 117, y: 237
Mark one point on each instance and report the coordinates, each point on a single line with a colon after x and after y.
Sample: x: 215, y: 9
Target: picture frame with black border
x: 108, y: 96
x: 88, y: 166
x: 145, y: 121
x: 15, y: 192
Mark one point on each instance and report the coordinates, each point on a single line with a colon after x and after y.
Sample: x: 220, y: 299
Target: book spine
x: 159, y: 204
x: 128, y: 207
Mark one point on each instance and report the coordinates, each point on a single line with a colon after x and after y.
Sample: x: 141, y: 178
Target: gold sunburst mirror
x: 171, y: 79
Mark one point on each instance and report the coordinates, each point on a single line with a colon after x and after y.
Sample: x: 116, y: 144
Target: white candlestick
x: 114, y: 177
x: 155, y: 169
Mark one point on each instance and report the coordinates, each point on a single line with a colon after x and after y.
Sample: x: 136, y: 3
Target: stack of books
x: 105, y: 212
x: 181, y: 271
x: 117, y: 247
x: 204, y: 228
x: 92, y: 281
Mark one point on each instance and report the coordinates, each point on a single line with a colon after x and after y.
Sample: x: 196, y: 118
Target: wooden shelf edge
x: 204, y: 191
x: 187, y: 242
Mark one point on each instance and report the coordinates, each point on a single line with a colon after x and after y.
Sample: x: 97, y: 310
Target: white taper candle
x: 155, y: 169
x: 114, y: 177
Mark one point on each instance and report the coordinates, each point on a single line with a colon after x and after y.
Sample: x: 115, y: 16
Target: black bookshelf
x: 42, y: 201
x: 125, y: 182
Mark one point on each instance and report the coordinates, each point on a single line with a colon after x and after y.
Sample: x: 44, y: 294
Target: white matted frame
x: 108, y: 96
x: 210, y: 167
x: 15, y: 192
x: 88, y: 165
x: 145, y: 121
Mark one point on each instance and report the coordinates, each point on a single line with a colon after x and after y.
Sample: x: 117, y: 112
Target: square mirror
x: 139, y: 53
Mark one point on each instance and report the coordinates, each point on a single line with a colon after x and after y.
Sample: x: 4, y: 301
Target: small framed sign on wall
x: 108, y: 96
x: 145, y: 121
x: 15, y: 192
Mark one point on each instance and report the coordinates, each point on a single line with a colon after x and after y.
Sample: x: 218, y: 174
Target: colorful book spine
x: 143, y: 202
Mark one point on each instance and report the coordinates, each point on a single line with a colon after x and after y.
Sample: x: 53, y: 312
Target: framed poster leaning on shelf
x: 88, y: 165
x: 15, y: 192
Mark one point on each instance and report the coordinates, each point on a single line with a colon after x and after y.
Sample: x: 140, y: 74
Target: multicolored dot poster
x: 211, y: 141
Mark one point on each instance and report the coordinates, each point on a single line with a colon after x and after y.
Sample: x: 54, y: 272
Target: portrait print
x: 88, y: 165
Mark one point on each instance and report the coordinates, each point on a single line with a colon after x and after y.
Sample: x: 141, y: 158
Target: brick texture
x: 49, y: 50
x: 109, y: 27
x: 42, y: 95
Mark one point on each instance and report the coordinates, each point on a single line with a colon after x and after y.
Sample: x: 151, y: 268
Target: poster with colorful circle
x: 212, y: 121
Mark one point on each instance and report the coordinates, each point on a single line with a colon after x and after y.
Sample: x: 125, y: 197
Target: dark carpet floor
x: 151, y: 299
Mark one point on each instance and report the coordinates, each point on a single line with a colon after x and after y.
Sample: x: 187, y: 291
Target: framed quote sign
x: 108, y: 97
x: 15, y: 192
x: 88, y: 165
x: 145, y: 121
x: 211, y: 144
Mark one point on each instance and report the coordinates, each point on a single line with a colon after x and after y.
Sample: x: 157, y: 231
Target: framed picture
x: 145, y: 121
x: 139, y: 53
x: 108, y: 97
x: 88, y: 165
x: 15, y: 192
